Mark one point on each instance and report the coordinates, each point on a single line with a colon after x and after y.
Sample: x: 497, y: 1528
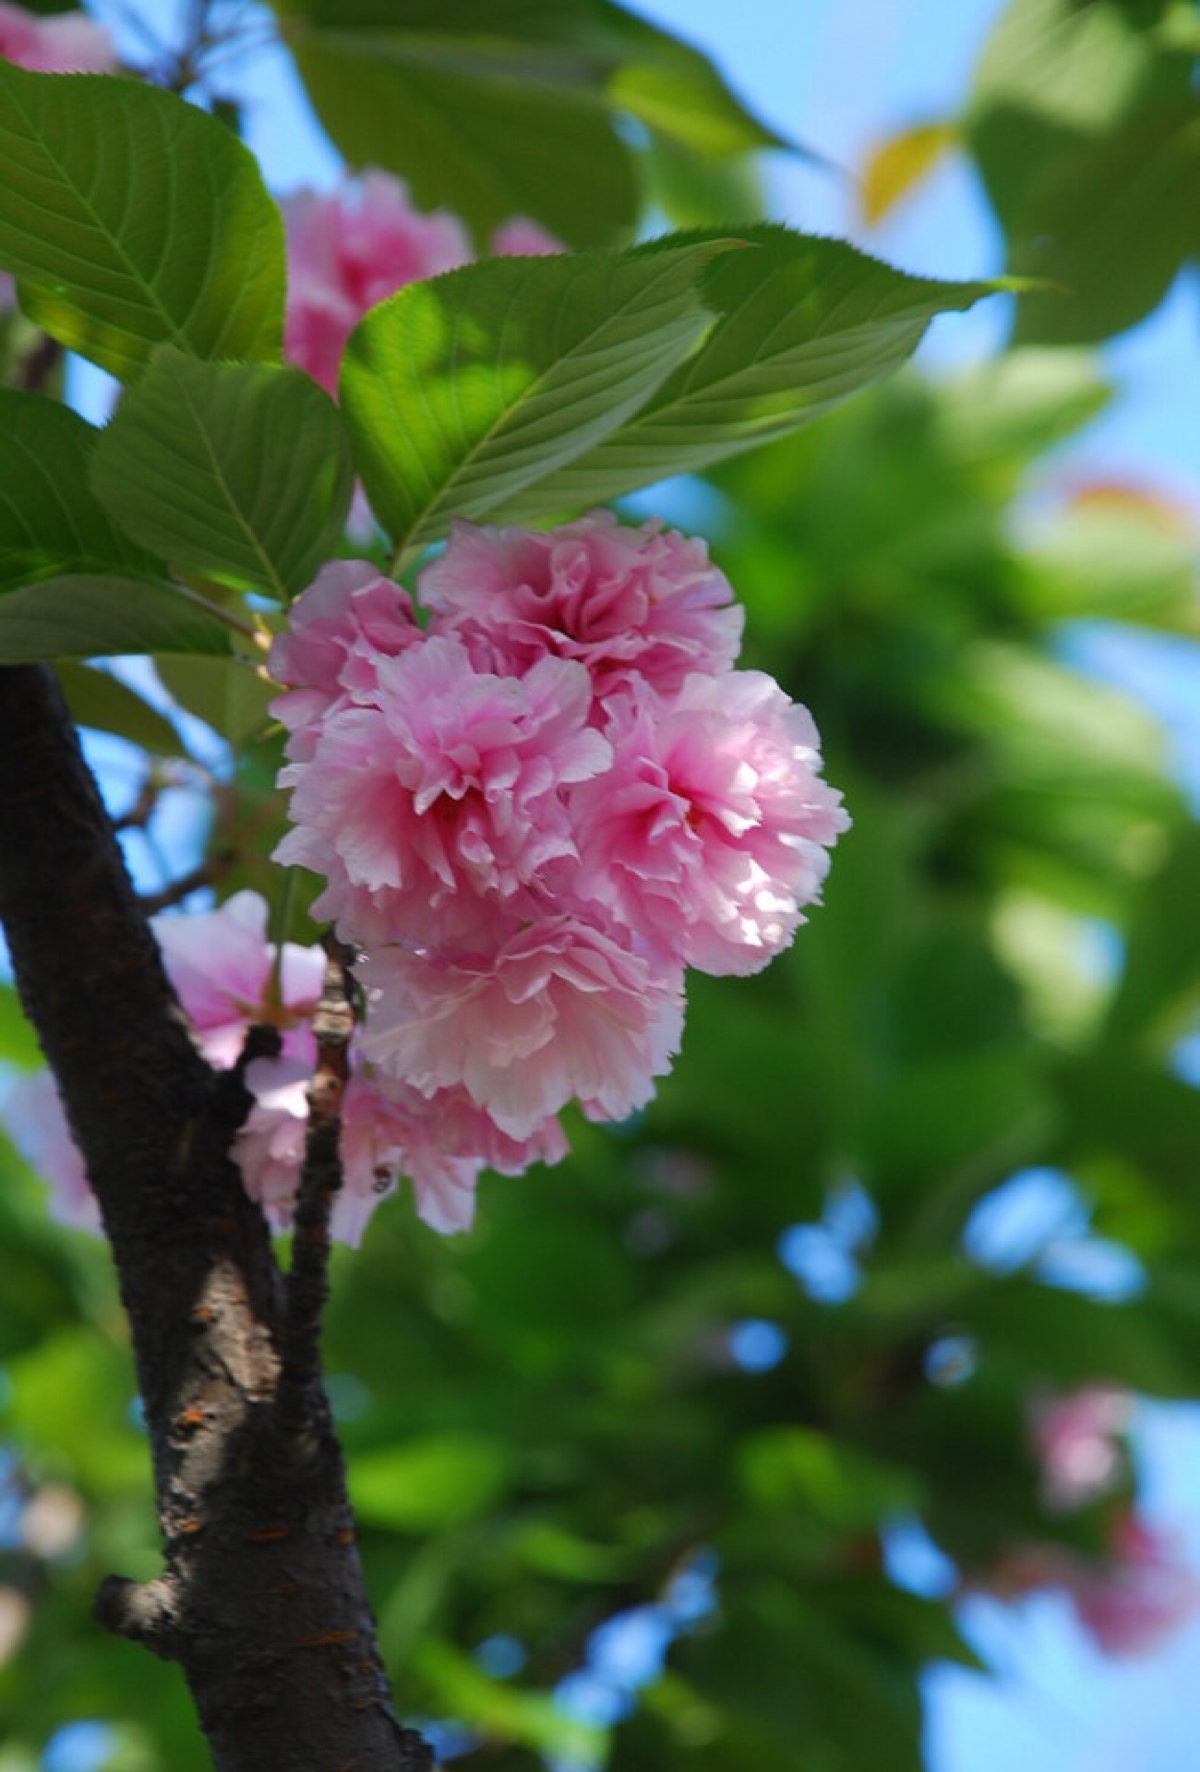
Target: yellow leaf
x: 894, y: 166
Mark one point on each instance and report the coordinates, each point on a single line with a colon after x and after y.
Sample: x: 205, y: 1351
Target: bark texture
x: 261, y: 1600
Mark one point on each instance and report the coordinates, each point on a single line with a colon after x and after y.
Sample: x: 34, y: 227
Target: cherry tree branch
x: 261, y: 1600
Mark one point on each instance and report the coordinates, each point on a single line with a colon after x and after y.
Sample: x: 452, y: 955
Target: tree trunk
x: 261, y: 1600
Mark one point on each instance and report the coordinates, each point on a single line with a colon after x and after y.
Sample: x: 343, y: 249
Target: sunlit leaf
x: 438, y: 1481
x: 460, y: 391
x: 133, y: 219
x: 803, y: 322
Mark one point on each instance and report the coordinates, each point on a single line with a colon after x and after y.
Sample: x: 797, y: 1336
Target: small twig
x: 143, y: 808
x: 206, y: 874
x: 38, y: 365
x: 307, y: 1281
x: 145, y: 1612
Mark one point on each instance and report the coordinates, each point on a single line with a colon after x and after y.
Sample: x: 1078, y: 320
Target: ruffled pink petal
x: 559, y: 1011
x: 632, y: 604
x: 710, y: 832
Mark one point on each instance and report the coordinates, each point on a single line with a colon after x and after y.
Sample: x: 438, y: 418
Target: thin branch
x: 206, y: 873
x: 39, y: 364
x: 307, y: 1284
x: 143, y: 808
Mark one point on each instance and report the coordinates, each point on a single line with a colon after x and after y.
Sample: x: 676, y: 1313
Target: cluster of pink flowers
x: 360, y: 244
x: 228, y: 977
x: 534, y: 812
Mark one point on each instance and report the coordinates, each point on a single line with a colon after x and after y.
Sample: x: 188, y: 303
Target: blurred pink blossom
x: 631, y: 604
x: 1128, y: 1601
x: 519, y: 237
x: 355, y: 247
x: 1077, y: 1439
x: 33, y: 1113
x: 59, y: 43
x: 348, y: 251
x: 221, y: 966
x: 1146, y: 1592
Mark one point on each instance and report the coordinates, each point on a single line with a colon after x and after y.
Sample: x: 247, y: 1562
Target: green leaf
x: 1112, y: 227
x: 133, y: 218
x: 1160, y: 986
x: 461, y: 391
x: 50, y: 521
x: 1014, y: 406
x: 458, y: 1687
x: 1113, y: 552
x: 676, y: 91
x: 494, y: 108
x: 803, y: 323
x: 1086, y: 129
x: 92, y: 617
x: 693, y: 191
x: 70, y: 1404
x: 100, y: 700
x: 845, y: 1489
x: 238, y: 472
x: 1063, y: 1339
x: 431, y: 1483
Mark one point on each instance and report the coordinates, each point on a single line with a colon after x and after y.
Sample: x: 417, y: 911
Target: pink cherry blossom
x: 559, y: 1010
x: 221, y: 966
x: 348, y: 251
x: 712, y: 828
x: 269, y: 1147
x: 33, y: 1113
x: 346, y: 621
x: 1145, y: 1593
x: 1077, y: 1439
x: 644, y: 603
x: 384, y: 1134
x: 60, y: 43
x: 358, y: 245
x: 444, y: 795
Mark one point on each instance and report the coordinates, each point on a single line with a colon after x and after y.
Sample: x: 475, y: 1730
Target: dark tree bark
x: 261, y: 1600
